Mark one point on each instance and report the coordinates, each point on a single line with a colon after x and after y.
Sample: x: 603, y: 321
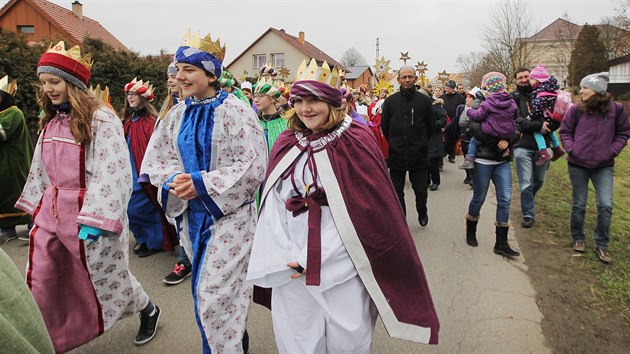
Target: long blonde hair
x: 83, y: 107
x: 169, y: 103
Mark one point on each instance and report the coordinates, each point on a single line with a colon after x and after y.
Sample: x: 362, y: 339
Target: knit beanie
x: 495, y: 83
x: 486, y: 76
x: 451, y: 83
x: 596, y: 82
x: 68, y: 65
x: 539, y: 73
x: 171, y: 69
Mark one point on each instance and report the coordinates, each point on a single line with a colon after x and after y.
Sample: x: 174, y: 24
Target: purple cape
x: 372, y: 226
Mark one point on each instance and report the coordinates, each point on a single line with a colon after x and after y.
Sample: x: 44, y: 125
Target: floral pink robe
x: 81, y: 289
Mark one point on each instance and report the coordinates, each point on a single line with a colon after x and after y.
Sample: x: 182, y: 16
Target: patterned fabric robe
x: 220, y: 143
x: 81, y: 289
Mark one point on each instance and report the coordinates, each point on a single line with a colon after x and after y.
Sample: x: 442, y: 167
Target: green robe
x: 273, y: 127
x: 22, y: 328
x: 16, y: 151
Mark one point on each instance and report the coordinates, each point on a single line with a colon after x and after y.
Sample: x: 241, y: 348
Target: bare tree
x: 352, y: 57
x: 474, y: 66
x: 506, y: 36
x: 615, y: 31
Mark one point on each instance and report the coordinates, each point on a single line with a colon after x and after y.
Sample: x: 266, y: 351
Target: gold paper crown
x: 205, y: 44
x: 101, y: 94
x: 72, y: 53
x: 8, y: 87
x: 315, y: 72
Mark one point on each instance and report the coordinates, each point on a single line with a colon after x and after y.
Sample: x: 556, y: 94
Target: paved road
x: 485, y: 303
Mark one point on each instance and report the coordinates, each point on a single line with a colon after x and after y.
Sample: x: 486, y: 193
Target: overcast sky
x: 435, y: 32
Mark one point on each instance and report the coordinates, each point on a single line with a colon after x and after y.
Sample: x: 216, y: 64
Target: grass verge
x: 555, y: 201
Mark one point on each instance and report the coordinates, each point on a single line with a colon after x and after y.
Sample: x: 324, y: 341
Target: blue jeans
x: 602, y: 179
x: 183, y: 257
x: 501, y: 177
x: 472, y: 147
x: 530, y: 178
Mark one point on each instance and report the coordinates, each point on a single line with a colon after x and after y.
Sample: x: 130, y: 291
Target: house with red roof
x: 41, y: 20
x: 282, y: 50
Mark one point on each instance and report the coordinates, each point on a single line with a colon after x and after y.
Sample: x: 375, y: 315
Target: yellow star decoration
x: 443, y: 77
x: 421, y: 67
x: 381, y: 67
x: 404, y: 57
x: 284, y: 73
x: 243, y: 76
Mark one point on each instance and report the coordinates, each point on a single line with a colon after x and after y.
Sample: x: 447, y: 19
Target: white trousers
x: 338, y: 320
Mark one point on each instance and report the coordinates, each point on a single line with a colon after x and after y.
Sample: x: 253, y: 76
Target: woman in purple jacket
x: 593, y: 133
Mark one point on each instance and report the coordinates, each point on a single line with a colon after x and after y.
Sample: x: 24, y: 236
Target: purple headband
x: 312, y: 88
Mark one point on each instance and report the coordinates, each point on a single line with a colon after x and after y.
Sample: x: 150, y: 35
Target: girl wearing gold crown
x: 147, y: 221
x: 16, y: 149
x: 77, y: 190
x: 332, y: 242
x: 208, y: 158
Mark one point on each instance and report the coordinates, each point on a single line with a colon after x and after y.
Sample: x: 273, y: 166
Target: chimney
x: 77, y: 9
x: 301, y: 37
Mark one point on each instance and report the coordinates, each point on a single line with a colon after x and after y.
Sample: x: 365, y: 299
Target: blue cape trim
x: 207, y: 201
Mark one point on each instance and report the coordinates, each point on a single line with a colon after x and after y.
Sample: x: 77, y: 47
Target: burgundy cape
x: 138, y: 133
x: 372, y: 226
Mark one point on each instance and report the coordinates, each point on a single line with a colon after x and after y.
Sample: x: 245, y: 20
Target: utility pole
x: 377, y: 48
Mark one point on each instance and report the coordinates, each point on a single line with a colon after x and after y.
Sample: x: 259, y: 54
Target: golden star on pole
x: 421, y: 67
x: 404, y: 57
x: 243, y: 76
x: 381, y: 67
x: 284, y: 73
x: 443, y: 77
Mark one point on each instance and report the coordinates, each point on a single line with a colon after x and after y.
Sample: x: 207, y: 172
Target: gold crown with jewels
x: 323, y: 73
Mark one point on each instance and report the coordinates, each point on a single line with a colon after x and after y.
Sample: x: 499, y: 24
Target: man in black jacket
x: 407, y: 122
x: 452, y: 100
x: 530, y: 176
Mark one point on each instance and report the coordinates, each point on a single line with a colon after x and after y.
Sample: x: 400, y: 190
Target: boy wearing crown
x: 328, y: 249
x: 77, y: 190
x: 16, y: 149
x: 208, y: 157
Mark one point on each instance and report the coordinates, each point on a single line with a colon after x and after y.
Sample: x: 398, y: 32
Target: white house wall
x: 271, y: 43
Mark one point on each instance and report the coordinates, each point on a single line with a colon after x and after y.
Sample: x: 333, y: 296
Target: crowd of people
x: 257, y: 184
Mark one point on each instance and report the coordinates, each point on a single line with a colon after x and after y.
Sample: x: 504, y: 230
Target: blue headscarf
x: 198, y: 58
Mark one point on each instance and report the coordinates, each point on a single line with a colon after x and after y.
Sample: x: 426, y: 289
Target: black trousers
x: 434, y: 171
x: 418, y: 179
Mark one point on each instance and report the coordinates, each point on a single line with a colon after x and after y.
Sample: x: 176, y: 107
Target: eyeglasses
x: 259, y: 95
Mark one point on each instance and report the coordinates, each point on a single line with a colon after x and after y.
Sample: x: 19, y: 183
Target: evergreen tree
x: 18, y: 59
x: 589, y: 55
x: 113, y: 68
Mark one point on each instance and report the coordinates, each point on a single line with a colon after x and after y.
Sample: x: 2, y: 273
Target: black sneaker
x: 148, y: 327
x: 180, y: 272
